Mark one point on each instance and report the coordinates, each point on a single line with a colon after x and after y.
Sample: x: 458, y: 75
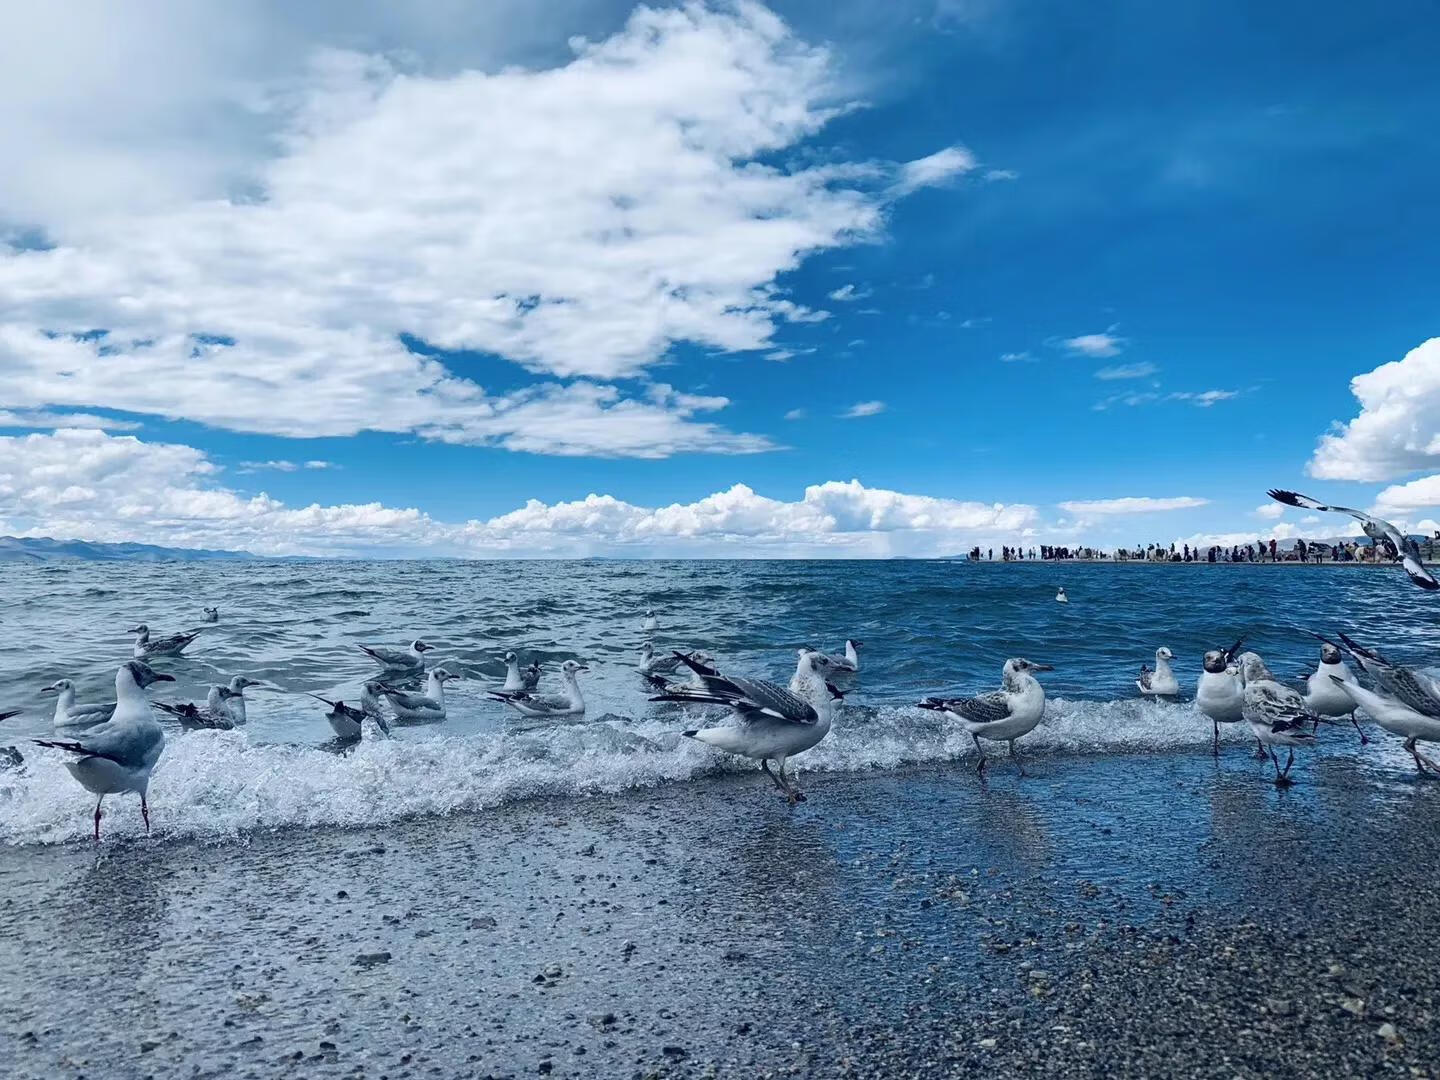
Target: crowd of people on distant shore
x: 1314, y: 551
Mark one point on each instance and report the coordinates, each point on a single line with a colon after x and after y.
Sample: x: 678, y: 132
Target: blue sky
x: 977, y: 211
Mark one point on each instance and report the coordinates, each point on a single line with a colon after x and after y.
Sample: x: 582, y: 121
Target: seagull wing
x: 981, y: 709
x: 125, y: 743
x: 412, y: 702
x: 1271, y: 703
x: 388, y: 657
x: 752, y: 698
x: 1418, y: 574
x: 1144, y: 681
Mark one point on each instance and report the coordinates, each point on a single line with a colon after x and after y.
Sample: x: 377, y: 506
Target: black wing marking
x: 9, y: 713
x: 77, y: 748
x: 1418, y: 574
x: 1234, y: 650
x: 1145, y: 674
x: 752, y: 696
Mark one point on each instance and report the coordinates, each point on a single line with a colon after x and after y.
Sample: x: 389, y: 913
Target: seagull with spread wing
x: 1376, y: 528
x: 1001, y: 715
x: 775, y: 725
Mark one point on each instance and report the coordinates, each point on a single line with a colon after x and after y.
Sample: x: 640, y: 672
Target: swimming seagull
x: 69, y: 714
x: 529, y: 703
x: 847, y: 663
x: 426, y: 707
x: 1376, y: 528
x: 1219, y: 694
x: 212, y: 615
x: 775, y: 724
x: 118, y: 756
x: 1322, y: 696
x: 173, y: 645
x: 1005, y: 714
x: 1060, y: 597
x: 515, y: 678
x: 347, y: 721
x: 409, y: 660
x: 694, y: 682
x: 1161, y: 682
x: 651, y: 623
x: 212, y: 716
x: 1277, y: 715
x: 650, y: 664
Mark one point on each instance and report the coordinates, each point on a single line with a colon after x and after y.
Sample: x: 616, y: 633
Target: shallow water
x: 928, y: 627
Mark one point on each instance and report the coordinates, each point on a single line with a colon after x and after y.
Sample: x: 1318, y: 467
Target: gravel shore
x: 1125, y: 915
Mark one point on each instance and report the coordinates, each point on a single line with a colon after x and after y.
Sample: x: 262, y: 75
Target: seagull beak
x: 583, y: 667
x: 161, y: 677
x: 133, y: 630
x: 52, y: 689
x: 1043, y: 667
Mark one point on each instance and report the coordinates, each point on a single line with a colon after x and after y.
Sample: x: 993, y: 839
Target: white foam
x: 217, y: 785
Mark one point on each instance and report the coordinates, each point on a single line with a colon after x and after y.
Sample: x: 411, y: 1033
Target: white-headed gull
x: 410, y: 660
x: 517, y: 678
x: 427, y: 707
x: 651, y: 623
x: 1277, y: 715
x: 119, y: 755
x: 1060, y: 597
x: 1002, y: 715
x: 775, y: 725
x: 529, y: 703
x: 146, y: 646
x: 1406, y: 550
x: 69, y: 714
x: 1161, y: 682
x: 1219, y: 694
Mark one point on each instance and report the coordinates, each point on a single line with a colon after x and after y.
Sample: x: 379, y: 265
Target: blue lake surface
x: 927, y: 627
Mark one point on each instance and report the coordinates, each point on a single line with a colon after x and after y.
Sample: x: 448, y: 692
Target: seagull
x: 1416, y: 689
x: 69, y: 714
x: 118, y: 756
x: 232, y: 698
x: 1322, y: 696
x: 1219, y: 694
x: 214, y: 715
x: 651, y: 623
x: 515, y: 678
x: 650, y: 664
x: 694, y: 682
x: 173, y: 645
x: 775, y: 724
x: 847, y: 663
x: 347, y: 721
x: 212, y: 615
x: 1397, y: 717
x: 426, y: 707
x: 1406, y: 550
x: 1060, y: 597
x: 1161, y: 682
x: 410, y: 660
x: 1277, y: 715
x: 1008, y: 713
x: 529, y: 703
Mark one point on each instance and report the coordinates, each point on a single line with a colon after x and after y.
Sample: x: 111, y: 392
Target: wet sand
x: 1125, y: 915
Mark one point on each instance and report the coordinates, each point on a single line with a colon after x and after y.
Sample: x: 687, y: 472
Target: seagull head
x: 856, y: 645
x: 212, y: 611
x: 144, y: 674
x: 1021, y: 664
x: 141, y: 629
x: 443, y: 674
x: 420, y: 646
x: 240, y: 683
x: 509, y: 657
x: 1253, y: 669
x: 58, y: 686
x: 1329, y: 654
x: 1162, y: 653
x: 1214, y: 662
x: 571, y: 667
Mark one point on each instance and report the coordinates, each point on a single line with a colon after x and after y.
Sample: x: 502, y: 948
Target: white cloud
x: 796, y: 414
x: 87, y: 484
x: 1097, y: 345
x: 577, y: 219
x: 1401, y: 499
x: 38, y: 418
x: 994, y: 175
x: 1202, y: 399
x: 848, y: 293
x: 939, y: 168
x: 1270, y: 510
x: 862, y: 409
x: 283, y: 466
x: 1131, y: 505
x: 1205, y: 398
x: 1282, y: 531
x: 1126, y: 371
x: 1016, y: 358
x: 1398, y: 428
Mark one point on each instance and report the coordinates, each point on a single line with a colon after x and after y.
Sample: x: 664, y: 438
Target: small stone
x: 600, y: 1021
x: 553, y: 971
x: 1388, y: 1032
x: 147, y: 1045
x: 1280, y: 1006
x: 546, y: 1066
x: 483, y: 922
x: 732, y: 956
x: 326, y: 1045
x: 987, y: 1044
x: 370, y: 959
x: 1353, y: 1005
x: 674, y: 1051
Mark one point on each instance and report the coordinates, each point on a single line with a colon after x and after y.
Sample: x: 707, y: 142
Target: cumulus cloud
x: 848, y: 293
x: 1402, y: 499
x: 1131, y: 505
x: 1016, y: 358
x: 1126, y: 371
x: 1398, y: 428
x: 39, y: 418
x: 91, y: 485
x: 1097, y: 345
x: 577, y: 219
x: 862, y: 409
x: 1271, y: 511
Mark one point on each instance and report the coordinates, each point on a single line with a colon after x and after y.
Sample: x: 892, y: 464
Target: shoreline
x: 1157, y: 912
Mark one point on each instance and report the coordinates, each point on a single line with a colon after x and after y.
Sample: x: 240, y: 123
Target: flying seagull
x: 1375, y: 528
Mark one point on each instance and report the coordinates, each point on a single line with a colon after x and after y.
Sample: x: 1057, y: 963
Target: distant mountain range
x: 38, y: 549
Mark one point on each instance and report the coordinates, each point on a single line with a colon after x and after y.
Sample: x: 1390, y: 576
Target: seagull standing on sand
x: 847, y: 663
x: 428, y: 707
x: 1322, y: 696
x: 1005, y: 714
x: 1161, y: 682
x: 118, y: 756
x: 1407, y: 551
x: 145, y: 646
x: 775, y: 724
x: 528, y: 703
x: 411, y: 660
x: 1219, y: 694
x: 1277, y: 715
x: 69, y: 714
x: 516, y: 679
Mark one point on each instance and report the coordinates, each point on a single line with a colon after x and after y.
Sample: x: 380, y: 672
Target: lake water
x: 928, y: 627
